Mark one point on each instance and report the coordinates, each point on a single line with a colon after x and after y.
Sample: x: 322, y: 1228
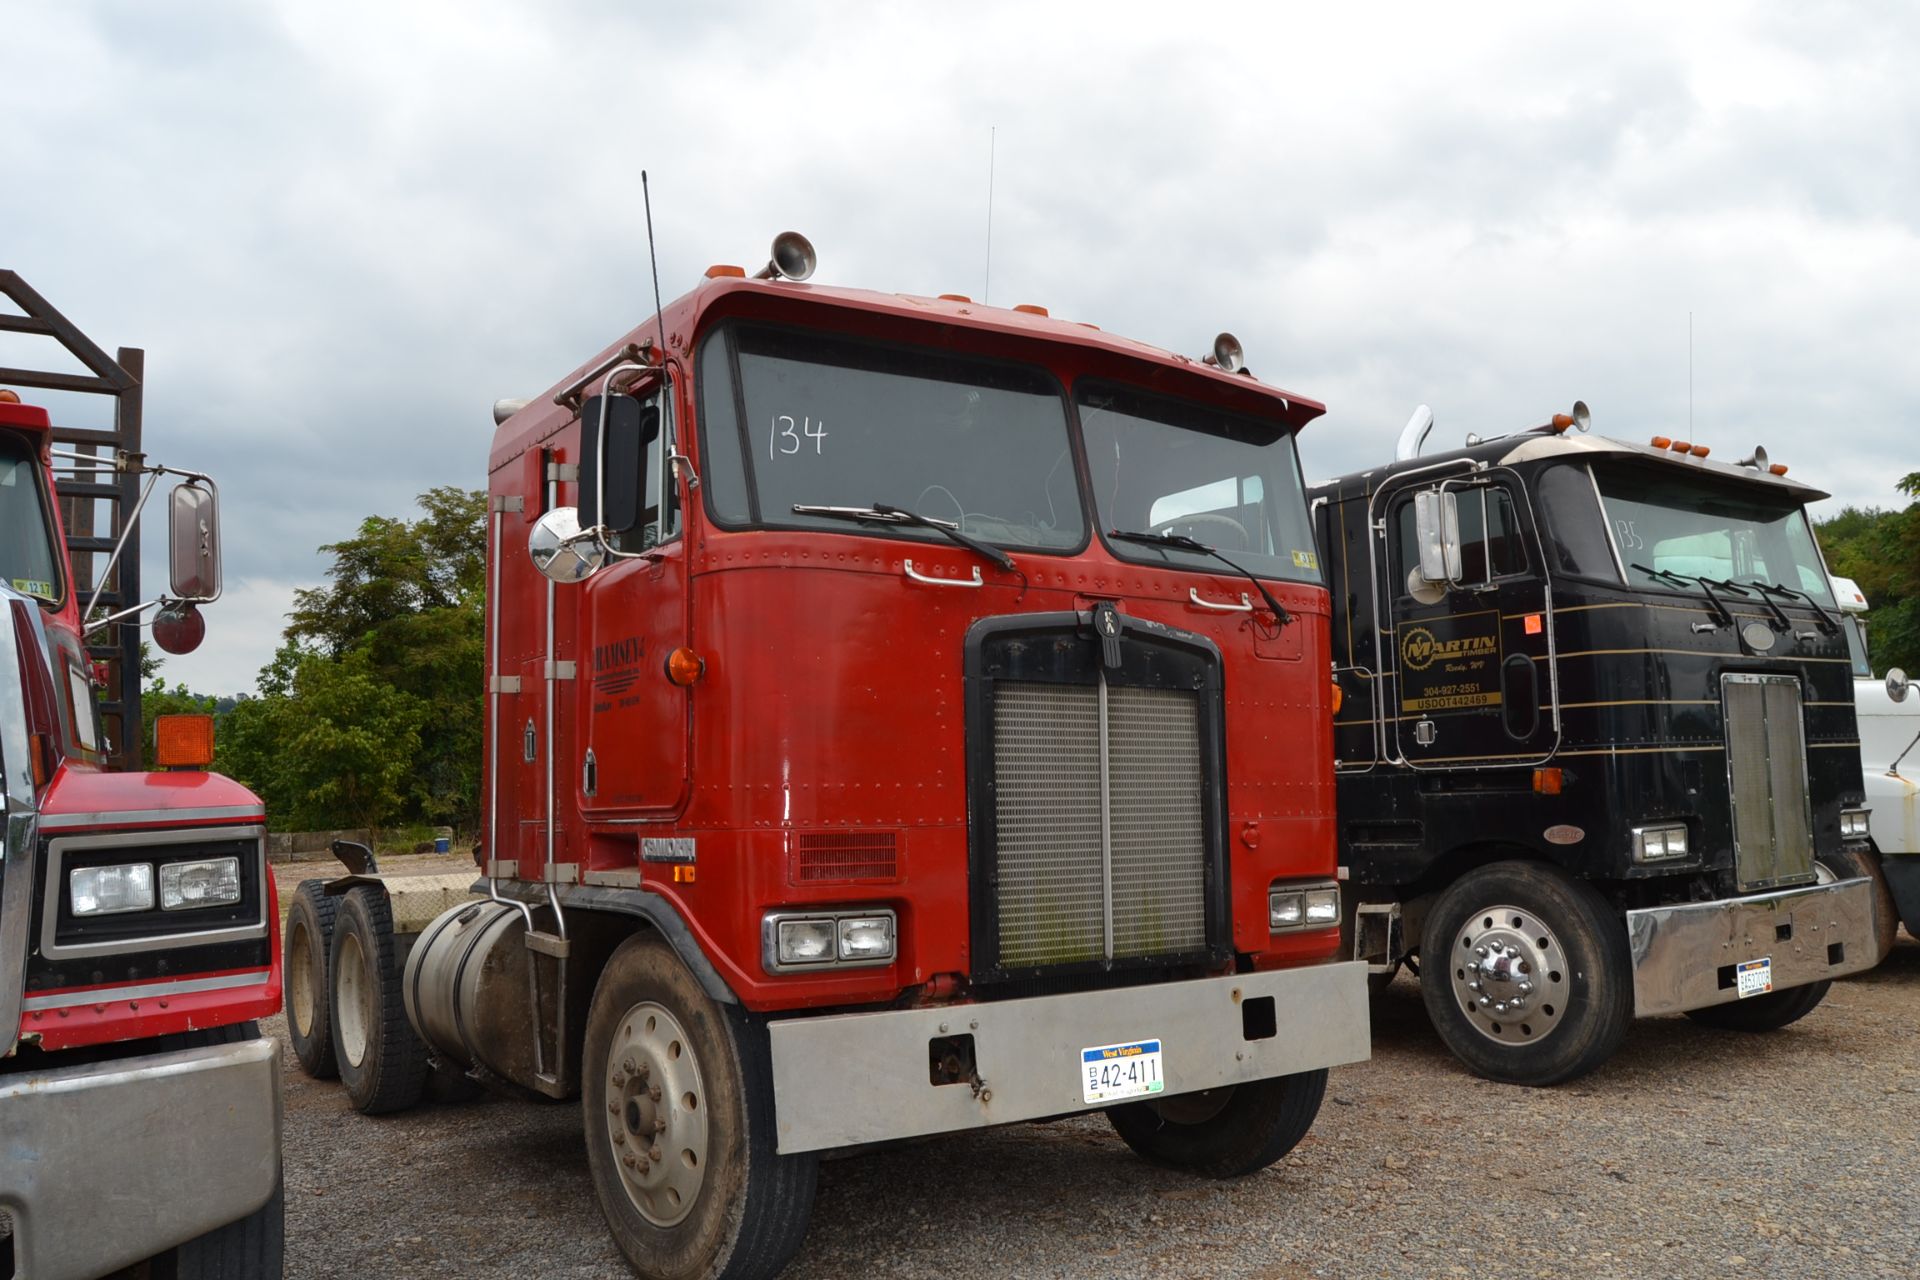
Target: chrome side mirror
x: 193, y: 528
x: 1436, y: 523
x: 560, y: 551
x: 1898, y: 684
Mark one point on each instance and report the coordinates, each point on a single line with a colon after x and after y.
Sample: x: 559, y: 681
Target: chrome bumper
x: 1028, y: 1052
x: 114, y: 1162
x: 1684, y: 956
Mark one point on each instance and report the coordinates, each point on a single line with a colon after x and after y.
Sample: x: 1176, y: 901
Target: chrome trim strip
x: 146, y: 990
x: 20, y: 828
x: 130, y: 817
x: 166, y: 941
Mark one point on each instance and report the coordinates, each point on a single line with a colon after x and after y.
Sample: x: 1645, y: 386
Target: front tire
x: 1227, y: 1132
x: 677, y: 1104
x: 1769, y: 1012
x: 1525, y: 974
x: 308, y: 934
x: 252, y: 1248
x: 1852, y: 864
x: 382, y: 1063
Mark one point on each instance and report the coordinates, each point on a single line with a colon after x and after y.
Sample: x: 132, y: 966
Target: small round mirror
x: 179, y: 628
x: 1897, y: 684
x: 558, y: 549
x: 1423, y: 589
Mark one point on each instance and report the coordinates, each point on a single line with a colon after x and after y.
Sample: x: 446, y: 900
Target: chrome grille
x: 1101, y: 851
x: 1767, y: 779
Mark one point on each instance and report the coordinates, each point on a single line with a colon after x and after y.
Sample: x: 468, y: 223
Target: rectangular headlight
x: 104, y: 891
x: 212, y: 883
x: 866, y: 938
x: 805, y: 941
x: 1658, y: 844
x: 1323, y: 906
x: 1286, y: 909
x: 1855, y: 824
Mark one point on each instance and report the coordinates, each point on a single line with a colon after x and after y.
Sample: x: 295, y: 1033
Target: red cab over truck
x: 139, y: 1104
x: 925, y: 727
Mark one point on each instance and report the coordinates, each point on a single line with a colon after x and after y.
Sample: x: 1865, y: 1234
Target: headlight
x: 185, y: 885
x: 804, y: 940
x: 1293, y: 907
x: 103, y: 891
x: 1659, y: 844
x: 1854, y: 824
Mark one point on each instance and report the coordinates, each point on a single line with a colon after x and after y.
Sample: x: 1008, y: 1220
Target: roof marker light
x: 1681, y: 446
x: 722, y: 270
x: 1700, y: 451
x: 955, y: 297
x: 1777, y: 469
x: 1661, y: 442
x: 1030, y: 308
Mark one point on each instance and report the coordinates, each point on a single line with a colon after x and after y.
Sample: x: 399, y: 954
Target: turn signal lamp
x: 1339, y: 696
x: 684, y: 666
x: 1548, y: 781
x: 183, y: 741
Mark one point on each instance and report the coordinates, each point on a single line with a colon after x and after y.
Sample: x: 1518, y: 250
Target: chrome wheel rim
x: 656, y: 1113
x: 1509, y: 975
x: 351, y: 994
x: 300, y: 981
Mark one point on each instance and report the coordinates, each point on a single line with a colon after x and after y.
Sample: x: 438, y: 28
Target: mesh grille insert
x: 842, y: 857
x: 1059, y: 856
x: 1767, y: 779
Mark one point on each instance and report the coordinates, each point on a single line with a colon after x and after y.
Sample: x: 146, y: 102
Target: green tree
x: 1880, y: 549
x: 405, y: 600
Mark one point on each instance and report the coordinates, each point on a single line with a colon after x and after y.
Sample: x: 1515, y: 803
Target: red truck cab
x: 138, y: 945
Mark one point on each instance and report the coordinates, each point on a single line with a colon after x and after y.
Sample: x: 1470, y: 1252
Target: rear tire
x: 719, y: 1203
x: 382, y: 1063
x: 1227, y: 1132
x: 307, y: 938
x: 1526, y: 925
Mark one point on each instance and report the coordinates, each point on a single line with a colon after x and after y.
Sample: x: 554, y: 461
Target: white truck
x: 1890, y: 767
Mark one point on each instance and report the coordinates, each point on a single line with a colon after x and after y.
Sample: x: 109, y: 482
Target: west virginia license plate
x: 1754, y: 977
x: 1112, y: 1072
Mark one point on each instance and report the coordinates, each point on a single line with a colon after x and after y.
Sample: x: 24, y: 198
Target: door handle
x: 1245, y: 605
x: 975, y: 581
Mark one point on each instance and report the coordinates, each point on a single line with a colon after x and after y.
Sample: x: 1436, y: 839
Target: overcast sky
x: 342, y: 229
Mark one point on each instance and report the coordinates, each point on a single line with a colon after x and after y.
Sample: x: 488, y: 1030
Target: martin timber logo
x: 1419, y: 650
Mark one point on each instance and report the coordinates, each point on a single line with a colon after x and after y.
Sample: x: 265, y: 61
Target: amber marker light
x: 1662, y: 442
x: 183, y: 741
x: 684, y: 666
x: 724, y: 271
x: 1682, y: 446
x: 1547, y: 781
x: 1700, y: 451
x: 1777, y: 469
x: 9, y: 397
x: 1339, y: 697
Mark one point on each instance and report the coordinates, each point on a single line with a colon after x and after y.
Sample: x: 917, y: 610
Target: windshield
x: 794, y: 419
x: 1168, y: 466
x: 1671, y: 524
x: 26, y: 539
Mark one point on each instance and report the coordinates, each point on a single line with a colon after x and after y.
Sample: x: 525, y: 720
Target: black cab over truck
x: 1596, y: 756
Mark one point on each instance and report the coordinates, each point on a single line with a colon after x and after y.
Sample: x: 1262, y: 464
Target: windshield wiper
x: 1768, y: 590
x: 883, y: 513
x: 1181, y: 542
x: 1720, y: 610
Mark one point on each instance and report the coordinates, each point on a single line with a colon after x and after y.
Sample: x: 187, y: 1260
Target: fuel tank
x: 470, y: 994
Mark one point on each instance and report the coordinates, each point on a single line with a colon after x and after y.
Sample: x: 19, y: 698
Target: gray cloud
x: 341, y: 231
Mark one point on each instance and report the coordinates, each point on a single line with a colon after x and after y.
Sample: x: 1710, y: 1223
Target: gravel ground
x: 1694, y: 1152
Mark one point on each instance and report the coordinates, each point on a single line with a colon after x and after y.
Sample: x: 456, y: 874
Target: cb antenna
x: 653, y: 260
x: 986, y: 284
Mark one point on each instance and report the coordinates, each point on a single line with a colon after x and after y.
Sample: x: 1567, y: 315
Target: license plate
x: 1754, y: 977
x: 1111, y: 1072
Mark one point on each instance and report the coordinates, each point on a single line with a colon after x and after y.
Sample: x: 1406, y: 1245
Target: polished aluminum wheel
x: 1509, y: 974
x: 352, y: 998
x: 656, y: 1109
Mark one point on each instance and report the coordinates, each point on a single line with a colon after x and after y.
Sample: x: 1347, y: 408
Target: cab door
x: 638, y: 727
x: 1472, y: 658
